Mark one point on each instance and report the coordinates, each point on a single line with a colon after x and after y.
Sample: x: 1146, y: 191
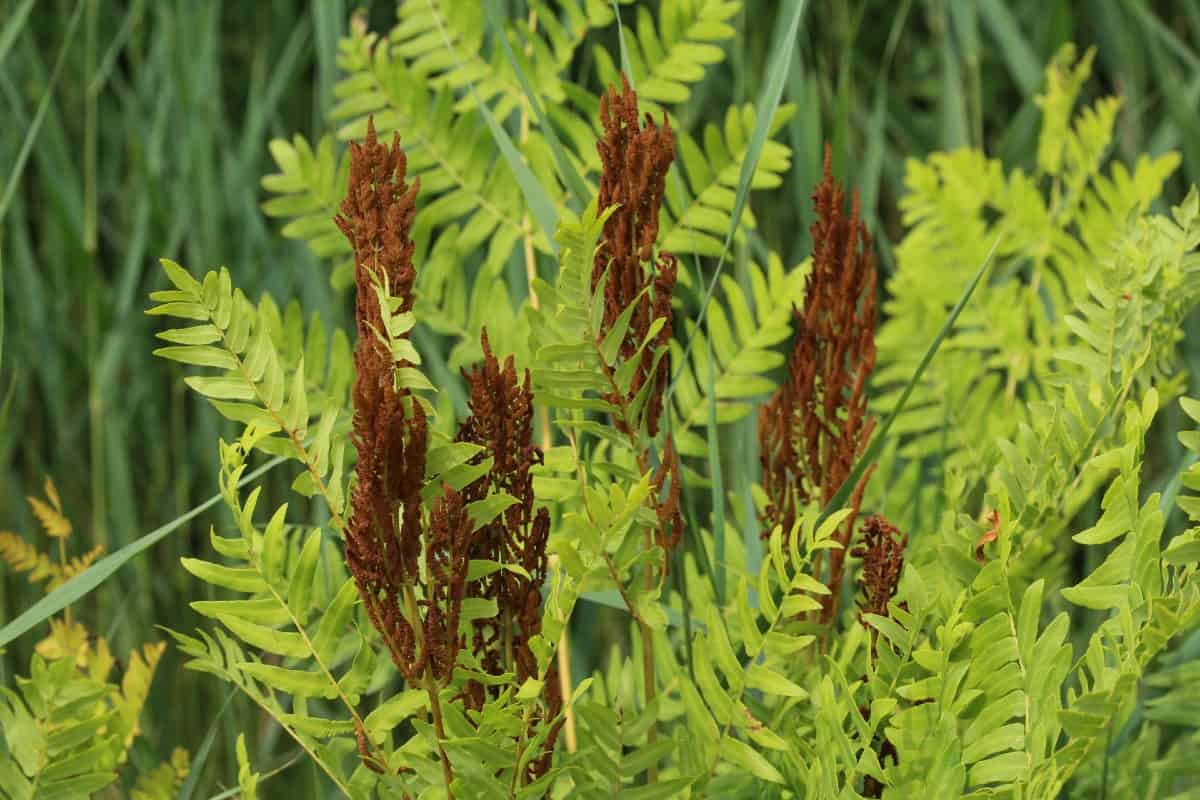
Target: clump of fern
x: 406, y: 640
x: 69, y: 730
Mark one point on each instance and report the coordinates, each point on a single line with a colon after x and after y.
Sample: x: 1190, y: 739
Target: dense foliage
x: 946, y: 577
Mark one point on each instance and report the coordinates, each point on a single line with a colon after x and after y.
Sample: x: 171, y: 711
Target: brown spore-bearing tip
x: 816, y: 425
x: 882, y: 554
x: 635, y: 160
x: 501, y: 422
x: 383, y: 531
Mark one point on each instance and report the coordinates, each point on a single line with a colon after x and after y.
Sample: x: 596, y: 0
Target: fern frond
x: 293, y: 635
x: 135, y: 688
x: 164, y: 781
x: 443, y: 43
x: 50, y: 514
x: 262, y: 379
x: 73, y: 567
x: 742, y: 341
x: 669, y: 56
x: 23, y: 556
x: 700, y: 199
x: 722, y: 728
x: 614, y: 753
x: 56, y: 744
x: 310, y: 185
x: 568, y: 366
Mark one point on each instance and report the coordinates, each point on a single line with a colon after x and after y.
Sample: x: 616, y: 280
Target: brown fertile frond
x: 816, y: 425
x: 383, y: 532
x: 377, y: 216
x: 882, y: 554
x: 501, y: 422
x: 635, y: 160
x: 670, y: 529
x: 447, y: 560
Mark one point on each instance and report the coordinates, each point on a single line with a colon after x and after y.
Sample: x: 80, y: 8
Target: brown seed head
x: 816, y: 425
x: 383, y: 532
x: 635, y: 161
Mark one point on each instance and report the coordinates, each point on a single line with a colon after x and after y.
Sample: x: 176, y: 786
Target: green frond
x: 68, y: 731
x: 743, y: 340
x: 310, y: 186
x: 673, y: 52
x: 261, y: 379
x: 750, y: 650
x: 700, y: 192
x: 164, y: 781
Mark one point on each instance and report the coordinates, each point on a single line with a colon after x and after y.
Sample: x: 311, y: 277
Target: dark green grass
x: 133, y: 130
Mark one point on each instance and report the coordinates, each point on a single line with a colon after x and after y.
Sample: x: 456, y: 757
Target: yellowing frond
x: 1064, y: 78
x: 66, y: 640
x: 21, y: 556
x: 135, y: 686
x: 51, y: 514
x: 163, y: 782
x: 73, y: 567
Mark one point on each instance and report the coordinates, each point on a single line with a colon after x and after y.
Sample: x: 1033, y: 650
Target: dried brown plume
x: 384, y: 529
x: 882, y: 554
x: 635, y: 160
x: 501, y: 422
x: 816, y: 425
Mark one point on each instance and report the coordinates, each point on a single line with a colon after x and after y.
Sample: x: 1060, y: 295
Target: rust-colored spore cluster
x: 882, y: 554
x: 635, y: 160
x: 816, y: 425
x: 384, y: 529
x: 670, y: 517
x: 501, y: 422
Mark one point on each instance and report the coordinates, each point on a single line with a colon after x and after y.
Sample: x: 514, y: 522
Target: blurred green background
x: 134, y: 130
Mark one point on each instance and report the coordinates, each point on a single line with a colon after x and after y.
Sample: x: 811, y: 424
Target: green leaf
x: 395, y: 710
x: 239, y: 579
x: 745, y: 756
x: 292, y: 681
x: 291, y: 645
x: 482, y: 512
x: 199, y: 355
x: 765, y: 679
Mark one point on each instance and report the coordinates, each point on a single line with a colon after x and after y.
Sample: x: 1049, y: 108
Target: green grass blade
x: 39, y: 116
x: 768, y: 103
x: 197, y: 766
x: 540, y: 205
x: 718, y: 484
x: 626, y: 67
x: 93, y: 576
x: 12, y: 28
x: 579, y: 189
x: 877, y: 442
x: 1023, y: 64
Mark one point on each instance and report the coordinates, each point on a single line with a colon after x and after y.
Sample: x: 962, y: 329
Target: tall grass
x: 133, y: 130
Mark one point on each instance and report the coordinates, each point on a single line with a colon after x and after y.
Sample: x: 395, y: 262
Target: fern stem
x: 648, y: 662
x: 292, y: 434
x: 359, y: 725
x: 647, y: 635
x: 564, y: 641
x: 62, y: 560
x: 429, y: 685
